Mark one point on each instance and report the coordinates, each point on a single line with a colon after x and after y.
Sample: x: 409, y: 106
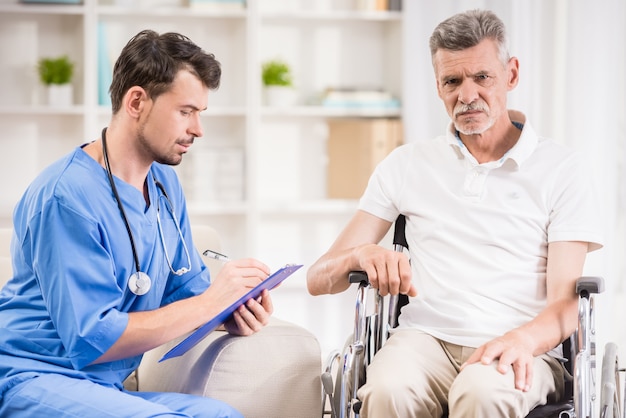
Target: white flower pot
x: 280, y: 96
x: 60, y: 95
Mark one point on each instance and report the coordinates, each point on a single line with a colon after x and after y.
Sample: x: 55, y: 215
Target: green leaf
x: 276, y: 73
x: 55, y: 70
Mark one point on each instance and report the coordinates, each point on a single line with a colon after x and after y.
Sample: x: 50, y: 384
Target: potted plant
x: 56, y: 74
x: 278, y: 83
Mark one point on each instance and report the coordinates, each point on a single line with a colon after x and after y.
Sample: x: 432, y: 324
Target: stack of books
x: 217, y: 5
x: 379, y: 5
x: 354, y: 98
x: 53, y: 1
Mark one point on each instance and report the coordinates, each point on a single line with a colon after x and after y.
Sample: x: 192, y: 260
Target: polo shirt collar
x: 525, y: 146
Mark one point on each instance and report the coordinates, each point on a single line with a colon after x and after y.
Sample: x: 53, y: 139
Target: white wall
x: 572, y: 59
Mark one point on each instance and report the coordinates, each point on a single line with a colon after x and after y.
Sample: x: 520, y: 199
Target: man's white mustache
x: 462, y: 108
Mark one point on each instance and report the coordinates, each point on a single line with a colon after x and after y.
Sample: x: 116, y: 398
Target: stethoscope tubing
x: 105, y: 155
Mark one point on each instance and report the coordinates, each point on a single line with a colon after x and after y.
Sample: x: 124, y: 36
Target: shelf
x: 76, y: 110
x: 202, y: 209
x: 342, y: 15
x: 169, y: 12
x: 217, y: 111
x: 43, y: 9
x: 329, y: 112
x: 258, y: 173
x: 307, y: 207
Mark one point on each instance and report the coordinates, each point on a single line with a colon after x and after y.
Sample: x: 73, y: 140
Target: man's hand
x: 512, y: 350
x: 388, y: 271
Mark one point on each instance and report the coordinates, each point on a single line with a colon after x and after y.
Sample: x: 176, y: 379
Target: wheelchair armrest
x: 587, y: 285
x: 358, y: 277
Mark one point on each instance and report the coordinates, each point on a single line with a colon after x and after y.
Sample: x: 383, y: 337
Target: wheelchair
x: 375, y: 316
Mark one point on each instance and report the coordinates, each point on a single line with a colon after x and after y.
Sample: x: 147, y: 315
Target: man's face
x: 172, y: 121
x: 473, y: 84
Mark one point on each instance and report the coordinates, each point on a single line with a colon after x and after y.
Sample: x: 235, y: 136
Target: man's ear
x: 513, y: 69
x: 134, y: 101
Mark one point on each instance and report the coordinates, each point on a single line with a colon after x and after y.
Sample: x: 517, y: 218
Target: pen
x: 221, y: 257
x: 216, y: 255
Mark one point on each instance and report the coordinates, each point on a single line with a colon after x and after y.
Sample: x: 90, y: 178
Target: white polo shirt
x: 479, y: 233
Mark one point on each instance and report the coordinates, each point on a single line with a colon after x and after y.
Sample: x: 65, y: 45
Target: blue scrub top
x: 68, y: 300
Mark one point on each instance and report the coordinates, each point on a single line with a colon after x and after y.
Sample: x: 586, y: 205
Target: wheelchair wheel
x: 349, y: 377
x: 339, y: 399
x: 610, y: 387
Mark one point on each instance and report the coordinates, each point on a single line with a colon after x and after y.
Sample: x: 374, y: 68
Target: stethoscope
x: 139, y: 282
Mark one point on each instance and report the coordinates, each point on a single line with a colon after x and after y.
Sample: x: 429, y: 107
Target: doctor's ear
x: 134, y: 101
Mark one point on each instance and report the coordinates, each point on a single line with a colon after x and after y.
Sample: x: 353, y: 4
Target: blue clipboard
x: 193, y: 339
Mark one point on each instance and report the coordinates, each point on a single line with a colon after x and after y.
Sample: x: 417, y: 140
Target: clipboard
x: 271, y: 282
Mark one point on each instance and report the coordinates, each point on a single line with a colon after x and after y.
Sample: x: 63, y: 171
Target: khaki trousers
x: 417, y: 375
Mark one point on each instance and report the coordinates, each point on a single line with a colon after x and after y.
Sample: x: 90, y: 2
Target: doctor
x: 103, y: 258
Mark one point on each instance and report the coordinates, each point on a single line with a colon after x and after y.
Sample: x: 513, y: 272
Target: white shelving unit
x: 282, y: 213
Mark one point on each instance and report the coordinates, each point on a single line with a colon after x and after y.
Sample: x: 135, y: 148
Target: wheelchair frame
x: 373, y: 323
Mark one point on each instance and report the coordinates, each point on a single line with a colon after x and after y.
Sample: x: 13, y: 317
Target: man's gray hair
x: 468, y: 29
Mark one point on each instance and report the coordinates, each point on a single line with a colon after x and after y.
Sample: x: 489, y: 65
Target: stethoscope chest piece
x: 139, y: 283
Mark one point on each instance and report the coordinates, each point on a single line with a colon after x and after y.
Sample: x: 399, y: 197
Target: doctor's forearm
x: 149, y: 329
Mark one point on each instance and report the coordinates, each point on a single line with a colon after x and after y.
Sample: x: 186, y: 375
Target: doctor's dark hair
x: 151, y: 61
x: 468, y: 29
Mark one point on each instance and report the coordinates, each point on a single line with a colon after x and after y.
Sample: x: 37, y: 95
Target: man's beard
x: 478, y: 105
x: 161, y: 158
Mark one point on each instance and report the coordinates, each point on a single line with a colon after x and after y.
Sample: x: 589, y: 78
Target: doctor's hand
x: 388, y: 271
x: 235, y: 279
x: 513, y: 351
x: 252, y: 316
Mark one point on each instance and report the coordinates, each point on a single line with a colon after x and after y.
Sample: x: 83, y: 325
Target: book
x: 194, y: 338
x: 52, y: 1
